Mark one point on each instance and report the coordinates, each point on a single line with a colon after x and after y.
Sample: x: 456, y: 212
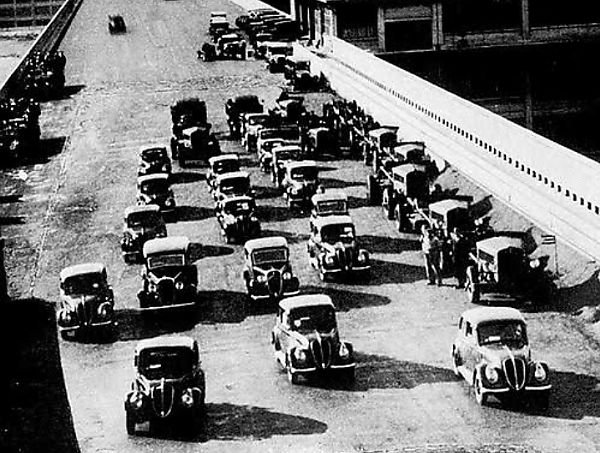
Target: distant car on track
x: 116, y: 24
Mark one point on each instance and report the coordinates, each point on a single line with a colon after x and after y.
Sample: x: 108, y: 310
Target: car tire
x: 130, y: 423
x: 480, y: 395
x: 455, y: 363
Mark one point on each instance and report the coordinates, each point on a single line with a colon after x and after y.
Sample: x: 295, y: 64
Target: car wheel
x: 480, y: 395
x: 455, y: 363
x: 130, y: 423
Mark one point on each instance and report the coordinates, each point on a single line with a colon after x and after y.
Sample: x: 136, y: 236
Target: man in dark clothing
x: 460, y: 256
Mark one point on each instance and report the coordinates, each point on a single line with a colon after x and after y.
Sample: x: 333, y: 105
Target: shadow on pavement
x: 381, y: 244
x: 333, y: 183
x: 574, y: 298
x: 193, y: 213
x: 263, y: 192
x: 292, y: 238
x: 186, y: 177
x: 36, y: 398
x: 273, y: 213
x: 375, y: 371
x: 12, y: 220
x: 5, y: 199
x: 345, y: 300
x: 222, y: 306
x: 383, y: 272
x: 133, y: 324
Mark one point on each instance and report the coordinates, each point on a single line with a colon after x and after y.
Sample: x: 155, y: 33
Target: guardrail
x: 47, y: 41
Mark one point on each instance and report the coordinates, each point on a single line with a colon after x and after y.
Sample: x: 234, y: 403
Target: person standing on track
x: 431, y: 247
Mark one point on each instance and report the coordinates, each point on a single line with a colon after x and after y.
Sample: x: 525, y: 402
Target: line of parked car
x: 491, y: 349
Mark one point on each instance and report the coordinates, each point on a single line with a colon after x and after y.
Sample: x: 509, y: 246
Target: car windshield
x: 226, y: 166
x: 156, y: 186
x: 332, y: 207
x: 231, y: 39
x: 278, y: 50
x: 238, y: 207
x: 168, y: 363
x: 235, y: 185
x: 509, y: 333
x: 153, y: 155
x: 143, y: 219
x: 343, y: 232
x: 308, y: 319
x: 275, y: 257
x: 304, y: 174
x: 166, y: 259
x: 84, y: 284
x: 262, y: 120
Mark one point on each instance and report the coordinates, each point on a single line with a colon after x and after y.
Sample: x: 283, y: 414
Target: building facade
x: 27, y: 13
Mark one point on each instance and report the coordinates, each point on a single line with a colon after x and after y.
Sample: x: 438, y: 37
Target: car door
x: 469, y: 350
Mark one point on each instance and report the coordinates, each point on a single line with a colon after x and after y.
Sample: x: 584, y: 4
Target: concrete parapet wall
x: 47, y: 41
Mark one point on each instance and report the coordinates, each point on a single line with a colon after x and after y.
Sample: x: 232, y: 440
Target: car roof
x: 249, y: 115
x: 321, y: 222
x: 278, y: 44
x: 495, y: 244
x: 219, y: 158
x: 260, y: 243
x: 170, y: 243
x: 287, y: 148
x: 382, y: 130
x: 84, y: 268
x: 329, y: 195
x: 153, y: 177
x: 301, y: 163
x: 165, y: 342
x: 218, y: 13
x: 233, y: 174
x: 306, y: 300
x: 446, y: 205
x: 405, y: 169
x: 141, y: 208
x: 230, y: 36
x: 146, y: 148
x: 219, y: 20
x: 236, y: 198
x: 485, y: 314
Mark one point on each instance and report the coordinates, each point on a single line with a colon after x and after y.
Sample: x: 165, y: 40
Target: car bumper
x: 336, y: 367
x: 347, y: 271
x: 80, y: 327
x: 179, y: 305
x: 268, y: 296
x: 527, y: 389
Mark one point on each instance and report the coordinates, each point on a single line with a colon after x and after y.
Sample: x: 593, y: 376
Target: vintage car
x: 251, y: 124
x: 297, y: 72
x: 154, y: 159
x: 267, y: 270
x: 333, y: 249
x: 275, y: 53
x: 307, y: 342
x: 236, y: 107
x: 237, y: 218
x: 445, y: 215
x: 86, y: 299
x: 289, y: 110
x: 260, y: 42
x: 380, y: 138
x: 321, y: 141
x: 265, y: 155
x: 288, y: 133
x: 218, y: 26
x: 300, y: 182
x: 500, y: 265
x: 169, y: 277
x: 406, y: 196
x: 219, y: 165
x: 141, y: 223
x: 280, y: 156
x: 156, y: 189
x: 235, y: 183
x: 169, y: 385
x: 491, y: 352
x: 227, y: 46
x: 116, y: 24
x: 293, y: 63
x: 328, y: 203
x: 195, y: 146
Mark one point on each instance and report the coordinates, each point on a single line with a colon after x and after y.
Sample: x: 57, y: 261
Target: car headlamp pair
x: 362, y: 257
x: 261, y: 278
x: 287, y: 275
x: 179, y: 286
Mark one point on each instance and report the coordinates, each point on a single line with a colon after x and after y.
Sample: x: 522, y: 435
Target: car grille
x: 515, y: 372
x: 321, y: 352
x: 274, y: 282
x: 166, y: 290
x: 344, y: 258
x: 85, y: 313
x: 163, y: 398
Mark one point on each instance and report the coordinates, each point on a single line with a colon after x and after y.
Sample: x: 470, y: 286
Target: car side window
x: 460, y: 324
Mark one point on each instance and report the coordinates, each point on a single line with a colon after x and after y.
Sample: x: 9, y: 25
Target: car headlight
x: 300, y: 355
x: 253, y: 219
x: 287, y: 275
x: 66, y: 316
x: 164, y: 168
x: 136, y: 400
x: 329, y: 259
x: 170, y: 202
x: 179, y: 286
x: 540, y: 373
x: 344, y: 352
x: 151, y: 287
x: 362, y: 257
x: 534, y: 264
x: 294, y: 191
x: 187, y: 398
x: 491, y: 375
x: 104, y: 311
x: 261, y: 278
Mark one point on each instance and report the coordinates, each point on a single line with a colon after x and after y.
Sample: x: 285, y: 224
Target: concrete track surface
x: 405, y: 397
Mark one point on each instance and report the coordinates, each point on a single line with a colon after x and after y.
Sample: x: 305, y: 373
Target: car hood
x: 495, y: 354
x: 305, y: 337
x: 73, y: 300
x: 142, y: 231
x: 332, y: 248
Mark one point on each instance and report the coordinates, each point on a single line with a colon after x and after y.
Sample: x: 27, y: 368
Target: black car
x: 169, y: 385
x: 154, y: 159
x: 116, y: 24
